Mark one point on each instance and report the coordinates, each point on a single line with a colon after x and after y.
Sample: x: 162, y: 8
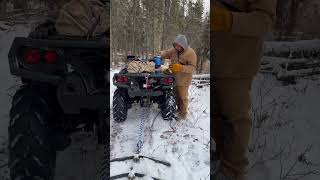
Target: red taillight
x: 168, y: 80
x: 50, y: 57
x: 32, y: 56
x: 122, y: 79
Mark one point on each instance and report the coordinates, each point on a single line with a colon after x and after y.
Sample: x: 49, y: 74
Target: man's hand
x: 221, y: 20
x: 166, y: 71
x: 175, y: 68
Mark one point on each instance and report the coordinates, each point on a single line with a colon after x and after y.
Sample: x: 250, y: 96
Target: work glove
x: 167, y: 71
x: 221, y: 20
x: 175, y: 67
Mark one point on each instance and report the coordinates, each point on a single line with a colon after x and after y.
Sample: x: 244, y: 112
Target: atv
x: 64, y: 89
x: 145, y: 88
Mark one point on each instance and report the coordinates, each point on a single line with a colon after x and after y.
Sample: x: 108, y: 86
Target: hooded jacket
x: 238, y: 53
x: 188, y: 60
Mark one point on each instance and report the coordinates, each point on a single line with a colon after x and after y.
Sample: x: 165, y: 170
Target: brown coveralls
x: 78, y: 17
x: 237, y: 56
x: 188, y: 60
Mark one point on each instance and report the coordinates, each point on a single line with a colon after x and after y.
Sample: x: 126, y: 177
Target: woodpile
x: 290, y: 60
x: 201, y: 80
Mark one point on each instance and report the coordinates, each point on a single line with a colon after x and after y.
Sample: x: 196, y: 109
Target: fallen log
x: 276, y: 64
x: 288, y: 70
x: 283, y: 76
x: 201, y: 76
x: 4, y: 26
x: 298, y: 49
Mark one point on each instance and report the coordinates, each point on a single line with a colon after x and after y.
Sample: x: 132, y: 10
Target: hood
x: 182, y: 40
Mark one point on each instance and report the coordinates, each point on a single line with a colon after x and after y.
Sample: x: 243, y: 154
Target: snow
x: 289, y: 123
x: 185, y: 144
x: 80, y: 161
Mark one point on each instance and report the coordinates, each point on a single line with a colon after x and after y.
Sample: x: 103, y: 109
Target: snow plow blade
x: 127, y: 175
x: 166, y: 163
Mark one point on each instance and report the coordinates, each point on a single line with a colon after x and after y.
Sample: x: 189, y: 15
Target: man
x: 239, y: 27
x: 183, y: 63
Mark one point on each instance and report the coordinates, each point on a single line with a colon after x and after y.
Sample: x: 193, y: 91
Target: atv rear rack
x: 143, y: 75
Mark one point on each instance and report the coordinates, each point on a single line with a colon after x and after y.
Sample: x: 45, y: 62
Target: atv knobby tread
x: 120, y: 107
x: 168, y: 107
x: 31, y: 155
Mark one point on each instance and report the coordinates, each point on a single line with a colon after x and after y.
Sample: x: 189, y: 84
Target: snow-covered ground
x: 285, y: 138
x: 185, y: 144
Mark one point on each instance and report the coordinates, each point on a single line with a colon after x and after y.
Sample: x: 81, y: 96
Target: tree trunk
x: 3, y: 8
x: 166, y: 12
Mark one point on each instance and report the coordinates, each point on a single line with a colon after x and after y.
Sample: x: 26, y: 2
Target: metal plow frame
x: 136, y: 158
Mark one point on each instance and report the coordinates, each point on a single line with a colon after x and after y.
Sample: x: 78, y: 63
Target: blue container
x: 157, y: 62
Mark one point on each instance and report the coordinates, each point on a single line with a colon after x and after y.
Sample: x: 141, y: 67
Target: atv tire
x: 31, y: 156
x: 120, y: 107
x: 168, y: 106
